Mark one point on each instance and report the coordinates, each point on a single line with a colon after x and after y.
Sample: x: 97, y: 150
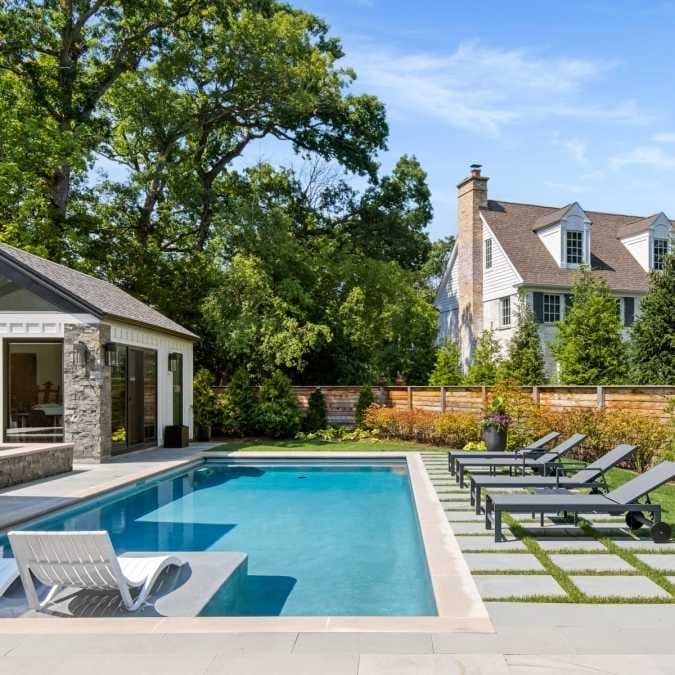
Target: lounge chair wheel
x: 635, y: 520
x: 661, y: 532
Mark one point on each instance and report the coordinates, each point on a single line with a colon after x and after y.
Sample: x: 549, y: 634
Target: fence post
x: 535, y: 394
x: 410, y: 401
x: 601, y: 396
x: 442, y: 399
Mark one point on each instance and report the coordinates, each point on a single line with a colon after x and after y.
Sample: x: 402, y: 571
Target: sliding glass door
x: 134, y: 398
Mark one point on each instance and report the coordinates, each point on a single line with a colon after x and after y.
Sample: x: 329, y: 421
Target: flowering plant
x: 496, y: 415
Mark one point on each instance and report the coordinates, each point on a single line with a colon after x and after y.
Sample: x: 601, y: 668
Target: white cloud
x: 664, y: 137
x: 576, y: 148
x: 645, y: 155
x: 482, y: 88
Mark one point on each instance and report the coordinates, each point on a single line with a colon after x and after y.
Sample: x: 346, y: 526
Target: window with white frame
x: 660, y: 252
x: 574, y: 247
x: 488, y: 254
x: 505, y: 311
x: 551, y: 308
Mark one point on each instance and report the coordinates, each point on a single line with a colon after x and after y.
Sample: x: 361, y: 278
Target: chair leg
x: 50, y: 596
x: 498, y: 525
x: 477, y: 498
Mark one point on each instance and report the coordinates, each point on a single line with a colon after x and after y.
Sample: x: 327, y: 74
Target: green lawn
x: 368, y: 445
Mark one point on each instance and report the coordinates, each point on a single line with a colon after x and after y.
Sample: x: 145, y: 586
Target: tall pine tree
x: 588, y: 345
x: 524, y: 361
x: 447, y: 371
x: 652, y: 338
x: 486, y: 360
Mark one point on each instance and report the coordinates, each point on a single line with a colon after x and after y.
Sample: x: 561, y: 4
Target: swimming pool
x: 323, y: 537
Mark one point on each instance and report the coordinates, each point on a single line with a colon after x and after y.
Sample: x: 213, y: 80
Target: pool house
x: 85, y: 363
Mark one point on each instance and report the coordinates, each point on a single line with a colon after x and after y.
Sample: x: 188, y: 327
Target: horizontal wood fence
x: 639, y: 400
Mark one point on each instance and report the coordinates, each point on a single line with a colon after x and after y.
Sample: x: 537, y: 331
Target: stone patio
x: 568, y: 548
x: 529, y: 637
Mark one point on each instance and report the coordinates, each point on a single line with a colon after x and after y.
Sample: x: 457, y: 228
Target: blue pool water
x: 338, y: 538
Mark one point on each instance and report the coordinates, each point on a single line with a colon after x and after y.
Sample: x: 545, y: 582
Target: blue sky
x: 559, y: 101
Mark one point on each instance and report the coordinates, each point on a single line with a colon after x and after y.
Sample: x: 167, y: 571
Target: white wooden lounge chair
x: 9, y: 572
x: 83, y: 560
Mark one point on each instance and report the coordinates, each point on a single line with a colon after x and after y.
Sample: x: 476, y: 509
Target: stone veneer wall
x: 30, y: 465
x: 87, y: 393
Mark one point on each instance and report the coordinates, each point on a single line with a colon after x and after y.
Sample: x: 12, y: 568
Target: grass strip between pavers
x: 573, y: 593
x: 659, y: 578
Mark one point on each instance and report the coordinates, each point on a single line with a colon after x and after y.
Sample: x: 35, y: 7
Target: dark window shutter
x: 538, y: 306
x: 628, y: 311
x: 568, y: 301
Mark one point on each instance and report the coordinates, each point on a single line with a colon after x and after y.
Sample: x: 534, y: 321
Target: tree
x: 437, y: 261
x: 241, y: 405
x: 652, y: 337
x: 314, y: 418
x: 524, y: 360
x: 365, y: 400
x: 447, y: 371
x: 588, y: 345
x: 277, y: 414
x: 485, y: 361
x: 68, y: 55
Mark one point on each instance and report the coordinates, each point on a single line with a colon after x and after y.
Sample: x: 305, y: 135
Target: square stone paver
x: 576, y: 562
x: 464, y: 517
x: 619, y: 587
x: 513, y: 562
x: 570, y: 544
x: 489, y: 544
x: 643, y: 544
x: 664, y: 562
x: 518, y: 586
x: 471, y: 528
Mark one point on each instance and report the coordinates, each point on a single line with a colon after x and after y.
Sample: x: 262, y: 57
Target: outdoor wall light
x: 110, y: 354
x: 80, y: 355
x: 173, y: 361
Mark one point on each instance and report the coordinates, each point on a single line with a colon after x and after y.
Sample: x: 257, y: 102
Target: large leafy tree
x: 652, y: 338
x: 306, y: 297
x: 67, y: 55
x: 588, y: 344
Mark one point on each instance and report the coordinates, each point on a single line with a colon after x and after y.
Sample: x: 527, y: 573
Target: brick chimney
x: 472, y: 196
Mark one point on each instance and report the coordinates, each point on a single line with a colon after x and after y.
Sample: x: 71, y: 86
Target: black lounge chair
x: 586, y: 477
x: 530, y: 450
x: 622, y: 500
x: 538, y: 465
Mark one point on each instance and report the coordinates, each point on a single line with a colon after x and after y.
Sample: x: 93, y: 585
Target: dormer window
x: 574, y: 247
x: 659, y: 254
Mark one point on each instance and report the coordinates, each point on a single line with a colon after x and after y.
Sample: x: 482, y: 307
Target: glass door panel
x: 34, y: 398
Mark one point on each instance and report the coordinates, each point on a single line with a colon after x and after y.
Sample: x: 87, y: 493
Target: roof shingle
x: 513, y: 224
x: 101, y: 295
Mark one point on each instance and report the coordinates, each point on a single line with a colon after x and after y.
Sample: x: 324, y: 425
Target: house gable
x: 639, y: 237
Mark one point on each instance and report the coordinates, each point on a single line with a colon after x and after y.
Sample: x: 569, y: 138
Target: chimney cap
x: 475, y: 170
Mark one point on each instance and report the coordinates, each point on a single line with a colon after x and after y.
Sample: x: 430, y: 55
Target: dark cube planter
x: 176, y: 436
x: 495, y: 438
x: 203, y: 432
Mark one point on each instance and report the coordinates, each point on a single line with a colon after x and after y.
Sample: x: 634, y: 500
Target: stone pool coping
x: 459, y: 605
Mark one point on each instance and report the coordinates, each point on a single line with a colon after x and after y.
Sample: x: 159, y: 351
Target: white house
x: 507, y: 250
x: 84, y: 362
